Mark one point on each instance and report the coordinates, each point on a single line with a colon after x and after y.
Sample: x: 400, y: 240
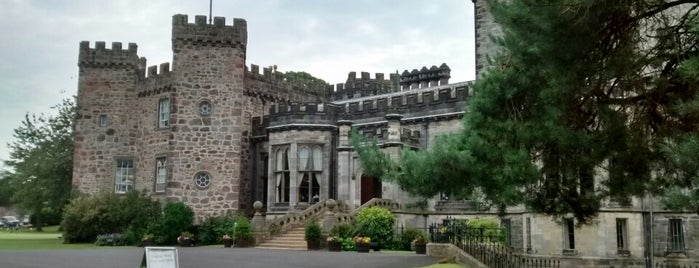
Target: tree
x: 41, y: 162
x: 587, y: 99
x: 305, y: 79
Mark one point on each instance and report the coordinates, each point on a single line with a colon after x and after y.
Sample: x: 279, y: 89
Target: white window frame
x: 123, y: 181
x: 160, y: 174
x: 164, y: 113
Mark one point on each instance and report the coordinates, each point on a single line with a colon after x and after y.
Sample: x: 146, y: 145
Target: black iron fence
x: 487, y: 245
x: 673, y: 265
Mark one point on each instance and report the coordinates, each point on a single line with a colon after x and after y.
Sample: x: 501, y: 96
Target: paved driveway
x: 212, y: 257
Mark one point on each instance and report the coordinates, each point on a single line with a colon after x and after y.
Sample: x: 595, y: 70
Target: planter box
x: 186, y: 242
x: 227, y: 243
x: 334, y: 246
x: 313, y: 244
x: 363, y: 248
x: 421, y: 248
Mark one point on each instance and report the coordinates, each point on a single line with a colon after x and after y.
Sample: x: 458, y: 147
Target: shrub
x: 86, y: 217
x: 377, y: 223
x: 343, y: 230
x: 213, y: 229
x: 243, y: 229
x: 313, y: 231
x: 110, y: 240
x: 177, y: 218
x: 407, y: 237
x: 490, y: 229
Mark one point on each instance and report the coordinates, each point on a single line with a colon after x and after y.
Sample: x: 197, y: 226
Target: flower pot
x: 313, y: 244
x: 363, y: 248
x: 421, y: 248
x: 148, y: 243
x: 243, y: 242
x: 334, y: 246
x: 185, y: 242
x: 227, y: 243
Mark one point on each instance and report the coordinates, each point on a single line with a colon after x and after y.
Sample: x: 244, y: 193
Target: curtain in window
x: 304, y: 157
x: 317, y: 158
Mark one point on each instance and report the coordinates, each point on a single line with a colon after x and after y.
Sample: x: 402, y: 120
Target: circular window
x: 202, y: 179
x: 205, y: 108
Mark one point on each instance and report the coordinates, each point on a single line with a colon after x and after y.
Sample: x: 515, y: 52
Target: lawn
x: 26, y: 239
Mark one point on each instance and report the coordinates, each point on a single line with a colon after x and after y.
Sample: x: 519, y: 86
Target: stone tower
x: 486, y: 29
x: 207, y: 127
x: 104, y: 129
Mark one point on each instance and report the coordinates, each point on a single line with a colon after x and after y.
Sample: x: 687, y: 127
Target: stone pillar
x: 344, y: 161
x: 393, y: 148
x: 258, y: 224
x: 329, y: 219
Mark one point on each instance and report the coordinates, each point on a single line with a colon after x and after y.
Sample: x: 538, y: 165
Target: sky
x: 326, y: 38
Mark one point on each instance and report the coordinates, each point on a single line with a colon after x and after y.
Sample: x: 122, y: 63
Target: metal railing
x: 487, y: 245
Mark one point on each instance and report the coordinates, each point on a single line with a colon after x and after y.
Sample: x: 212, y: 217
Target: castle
x: 218, y: 134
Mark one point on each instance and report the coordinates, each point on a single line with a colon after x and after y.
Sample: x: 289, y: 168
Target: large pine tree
x: 587, y: 99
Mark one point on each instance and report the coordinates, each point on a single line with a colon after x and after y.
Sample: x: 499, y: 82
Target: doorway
x: 370, y: 188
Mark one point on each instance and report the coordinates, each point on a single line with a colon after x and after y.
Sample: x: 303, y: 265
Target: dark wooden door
x: 371, y: 188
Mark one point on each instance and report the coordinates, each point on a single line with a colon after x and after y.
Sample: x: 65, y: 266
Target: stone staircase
x: 291, y: 240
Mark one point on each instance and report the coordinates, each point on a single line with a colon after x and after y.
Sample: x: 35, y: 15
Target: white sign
x: 162, y: 257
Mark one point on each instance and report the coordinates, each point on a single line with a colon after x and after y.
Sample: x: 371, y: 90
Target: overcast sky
x: 327, y: 38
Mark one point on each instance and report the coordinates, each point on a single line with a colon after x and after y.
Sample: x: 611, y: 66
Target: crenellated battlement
x: 450, y: 98
x: 364, y: 85
x: 434, y: 76
x: 117, y: 56
x: 156, y: 80
x: 217, y: 33
x: 271, y: 82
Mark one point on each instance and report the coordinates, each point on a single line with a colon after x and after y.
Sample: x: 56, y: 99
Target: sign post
x: 162, y: 257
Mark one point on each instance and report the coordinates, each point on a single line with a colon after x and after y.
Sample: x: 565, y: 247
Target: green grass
x: 28, y: 239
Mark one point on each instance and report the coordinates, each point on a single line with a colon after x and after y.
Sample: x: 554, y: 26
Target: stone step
x: 294, y: 239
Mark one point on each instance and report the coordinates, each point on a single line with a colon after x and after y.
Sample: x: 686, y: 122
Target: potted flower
x: 243, y: 233
x: 420, y: 243
x: 334, y: 243
x: 227, y: 241
x: 313, y: 235
x: 147, y: 240
x: 185, y: 239
x: 362, y: 243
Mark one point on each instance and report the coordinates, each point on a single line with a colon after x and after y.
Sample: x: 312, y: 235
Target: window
x: 202, y: 179
x: 282, y: 175
x: 621, y: 239
x: 160, y: 174
x: 103, y: 120
x: 529, y: 235
x: 205, y: 108
x: 311, y: 167
x: 569, y: 234
x: 164, y: 113
x: 676, y: 236
x: 507, y: 228
x: 124, y: 176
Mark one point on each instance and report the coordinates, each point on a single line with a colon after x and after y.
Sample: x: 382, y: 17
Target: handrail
x: 380, y: 202
x: 286, y: 222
